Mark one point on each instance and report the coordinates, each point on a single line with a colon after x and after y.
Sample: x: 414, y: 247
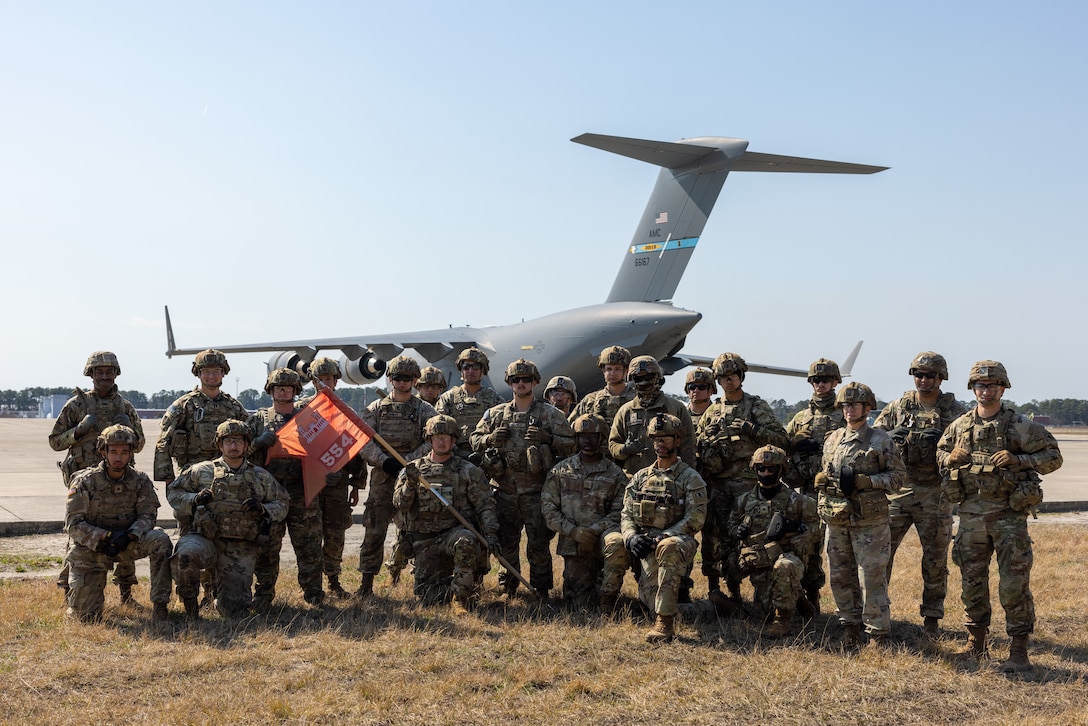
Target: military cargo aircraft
x: 638, y: 313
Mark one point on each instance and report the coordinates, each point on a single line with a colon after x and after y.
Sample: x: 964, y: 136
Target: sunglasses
x: 698, y: 387
x: 400, y: 379
x: 822, y: 379
x: 471, y: 367
x: 521, y: 379
x: 765, y: 468
x: 926, y: 375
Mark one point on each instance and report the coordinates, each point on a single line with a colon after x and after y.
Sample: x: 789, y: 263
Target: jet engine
x: 360, y: 372
x: 292, y: 360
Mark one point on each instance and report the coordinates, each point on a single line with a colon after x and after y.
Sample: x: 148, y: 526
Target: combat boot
x: 1018, y: 656
x: 366, y: 587
x: 734, y: 590
x: 851, y: 635
x: 812, y: 594
x: 663, y: 631
x: 126, y: 594
x: 726, y: 607
x: 192, y: 609
x: 931, y: 627
x: 780, y: 627
x: 335, y: 589
x: 976, y: 642
x: 608, y: 602
x: 160, y: 613
x: 315, y: 598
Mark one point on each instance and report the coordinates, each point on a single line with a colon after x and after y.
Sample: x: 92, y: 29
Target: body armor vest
x: 194, y: 439
x: 659, y: 501
x: 224, y: 517
x: 286, y: 469
x: 468, y: 410
x: 112, y: 503
x: 399, y: 424
x: 432, y: 516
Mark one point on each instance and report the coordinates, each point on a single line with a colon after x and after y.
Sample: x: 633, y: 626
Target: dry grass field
x: 394, y: 662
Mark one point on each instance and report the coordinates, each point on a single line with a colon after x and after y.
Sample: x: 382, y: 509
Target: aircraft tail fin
x: 687, y: 187
x: 171, y: 347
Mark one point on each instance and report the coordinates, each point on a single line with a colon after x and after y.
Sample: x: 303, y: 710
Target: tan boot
x: 1018, y: 656
x: 851, y: 635
x: 336, y: 589
x: 976, y: 642
x: 932, y: 627
x: 780, y: 627
x: 663, y: 631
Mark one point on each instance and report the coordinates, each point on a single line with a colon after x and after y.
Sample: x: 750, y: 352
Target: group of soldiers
x: 629, y: 477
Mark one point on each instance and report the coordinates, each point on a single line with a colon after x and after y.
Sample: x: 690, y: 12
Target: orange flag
x: 326, y: 434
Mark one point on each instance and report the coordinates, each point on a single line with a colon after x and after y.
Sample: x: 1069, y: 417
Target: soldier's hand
x: 476, y: 458
x: 959, y: 457
x: 494, y: 546
x: 640, y: 545
x: 391, y: 466
x: 741, y: 428
x: 633, y: 446
x: 204, y: 496
x: 583, y: 535
x: 537, y: 435
x: 265, y: 441
x: 899, y: 434
x: 806, y: 445
x: 931, y: 436
x: 846, y: 480
x: 253, y: 506
x: 411, y: 472
x: 862, y: 482
x: 122, y: 419
x: 86, y: 424
x: 499, y: 436
x: 822, y: 480
x: 1004, y: 459
x: 742, y: 530
x: 353, y: 495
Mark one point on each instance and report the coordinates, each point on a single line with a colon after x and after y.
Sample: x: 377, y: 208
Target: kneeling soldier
x: 777, y: 530
x: 447, y: 553
x: 110, y: 516
x: 232, y: 504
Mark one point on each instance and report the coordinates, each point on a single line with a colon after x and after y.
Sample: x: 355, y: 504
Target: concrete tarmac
x: 32, y: 495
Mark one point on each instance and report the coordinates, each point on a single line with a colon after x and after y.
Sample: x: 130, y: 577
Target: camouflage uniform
x: 992, y: 515
x: 580, y: 494
x: 670, y: 504
x: 223, y: 536
x: 467, y: 410
x: 919, y: 501
x: 518, y: 470
x: 401, y: 425
x: 302, y: 521
x: 188, y: 432
x: 82, y: 451
x: 604, y: 404
x: 98, y: 504
x: 775, y: 568
x: 447, y: 554
x: 630, y: 423
x: 857, y: 525
x: 724, y: 452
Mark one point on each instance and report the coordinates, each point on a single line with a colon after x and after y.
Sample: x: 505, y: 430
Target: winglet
x: 848, y: 364
x: 171, y: 348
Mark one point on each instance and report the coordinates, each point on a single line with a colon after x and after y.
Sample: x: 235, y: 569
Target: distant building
x: 50, y: 406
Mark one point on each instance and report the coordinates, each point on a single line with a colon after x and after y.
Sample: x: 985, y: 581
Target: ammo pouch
x: 179, y: 445
x: 834, y: 510
x: 1027, y: 495
x: 711, y: 461
x: 759, y: 556
x: 235, y: 523
x: 871, y: 503
x: 918, y: 450
x: 68, y: 468
x: 534, y: 462
x: 493, y: 464
x: 952, y: 487
x: 659, y: 514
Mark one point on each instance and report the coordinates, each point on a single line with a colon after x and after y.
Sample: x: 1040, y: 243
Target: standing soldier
x: 302, y: 521
x: 916, y: 421
x: 582, y: 500
x: 992, y: 458
x: 399, y: 418
x: 628, y: 440
x: 663, y: 508
x: 699, y: 385
x: 231, y: 505
x: 776, y: 529
x: 806, y: 431
x: 469, y: 402
x: 111, y: 513
x: 447, y: 553
x: 431, y: 384
x: 83, y: 418
x: 860, y: 466
x: 520, y: 441
x: 606, y: 402
x: 730, y: 431
x: 335, y: 500
x: 561, y: 393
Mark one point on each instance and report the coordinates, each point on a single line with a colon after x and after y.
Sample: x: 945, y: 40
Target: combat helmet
x: 210, y: 358
x: 432, y: 376
x: 590, y: 423
x: 988, y: 370
x: 473, y: 355
x: 727, y: 364
x: 645, y: 365
x: 564, y: 384
x: 323, y: 367
x: 100, y: 358
x: 283, y: 377
x: 522, y: 367
x: 614, y: 355
x: 441, y: 424
x: 232, y: 427
x: 116, y: 434
x: 929, y: 362
x: 770, y: 456
x: 854, y: 392
x: 701, y: 375
x: 824, y: 367
x: 664, y: 424
x: 402, y: 365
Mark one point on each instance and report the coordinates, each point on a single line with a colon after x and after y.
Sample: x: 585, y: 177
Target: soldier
x: 806, y: 431
x: 992, y: 458
x: 561, y: 393
x: 916, y: 421
x: 399, y: 418
x: 521, y: 441
x: 431, y: 384
x: 581, y: 500
x: 776, y: 529
x: 606, y: 402
x: 110, y: 515
x: 699, y: 385
x: 340, y: 495
x: 447, y: 553
x: 860, y: 466
x: 628, y: 441
x: 303, y: 520
x: 729, y: 433
x: 469, y: 402
x: 231, y: 505
x: 77, y: 428
x: 663, y: 508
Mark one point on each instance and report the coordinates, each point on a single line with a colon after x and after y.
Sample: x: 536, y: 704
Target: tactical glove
x: 123, y: 420
x: 265, y: 441
x: 253, y: 506
x: 640, y: 546
x: 583, y: 535
x: 499, y: 436
x: 494, y: 546
x: 847, y: 480
x: 116, y: 543
x: 632, y: 447
x: 931, y: 436
x: 391, y: 466
x: 959, y: 457
x: 537, y: 435
x: 822, y: 480
x: 806, y: 446
x: 1004, y: 459
x: 204, y: 496
x: 899, y: 434
x: 742, y: 530
x: 742, y: 428
x: 411, y: 472
x: 862, y: 482
x: 86, y: 424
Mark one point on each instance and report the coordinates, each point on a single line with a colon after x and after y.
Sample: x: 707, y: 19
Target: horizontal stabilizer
x: 670, y: 155
x: 755, y: 161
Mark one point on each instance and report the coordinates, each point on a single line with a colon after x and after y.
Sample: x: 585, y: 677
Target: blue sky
x: 275, y: 171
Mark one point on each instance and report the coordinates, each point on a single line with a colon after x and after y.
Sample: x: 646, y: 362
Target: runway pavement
x: 32, y: 495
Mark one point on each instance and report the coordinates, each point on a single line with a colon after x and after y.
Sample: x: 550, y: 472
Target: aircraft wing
x: 675, y: 363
